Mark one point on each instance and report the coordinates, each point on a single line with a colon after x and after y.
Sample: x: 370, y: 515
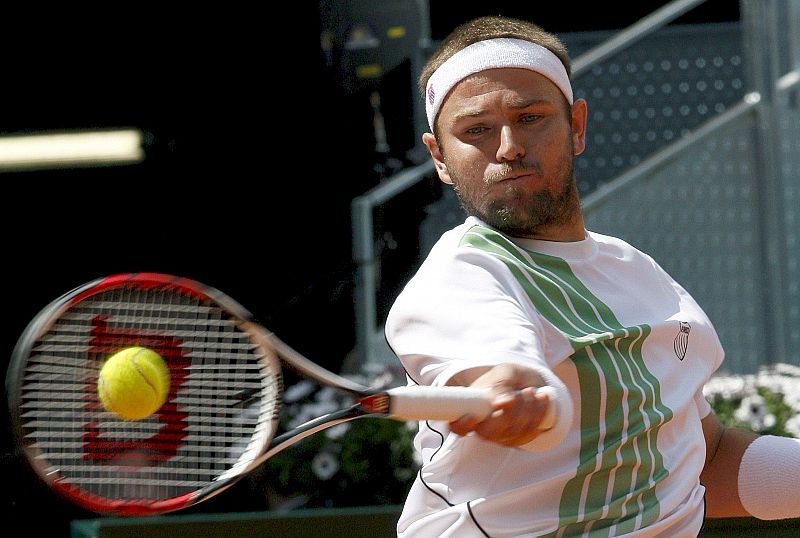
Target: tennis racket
x: 220, y: 418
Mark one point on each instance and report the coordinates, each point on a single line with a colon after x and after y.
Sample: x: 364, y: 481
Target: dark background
x: 255, y: 151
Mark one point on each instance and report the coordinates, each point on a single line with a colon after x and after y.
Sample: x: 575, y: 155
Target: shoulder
x: 461, y: 268
x: 465, y: 244
x: 619, y: 249
x: 610, y: 243
x: 629, y: 262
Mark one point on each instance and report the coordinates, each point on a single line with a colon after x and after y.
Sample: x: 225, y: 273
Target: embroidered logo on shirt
x: 682, y: 340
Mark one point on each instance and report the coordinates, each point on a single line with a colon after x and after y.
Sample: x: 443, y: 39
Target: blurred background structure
x: 692, y: 156
x: 281, y: 162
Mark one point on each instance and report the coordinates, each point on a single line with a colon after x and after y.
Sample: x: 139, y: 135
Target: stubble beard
x: 519, y: 212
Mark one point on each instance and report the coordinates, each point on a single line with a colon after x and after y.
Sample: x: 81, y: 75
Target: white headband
x: 492, y: 54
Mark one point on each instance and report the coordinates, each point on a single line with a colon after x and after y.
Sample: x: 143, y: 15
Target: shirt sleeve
x: 467, y: 312
x: 703, y: 407
x: 463, y: 311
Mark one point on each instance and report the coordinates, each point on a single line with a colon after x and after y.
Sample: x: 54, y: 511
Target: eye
x: 478, y: 129
x: 530, y: 118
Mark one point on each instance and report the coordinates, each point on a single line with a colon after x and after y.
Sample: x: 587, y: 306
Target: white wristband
x: 558, y: 419
x: 769, y: 476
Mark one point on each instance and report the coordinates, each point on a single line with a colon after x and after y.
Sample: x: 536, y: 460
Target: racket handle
x: 549, y: 418
x: 439, y: 403
x: 451, y: 403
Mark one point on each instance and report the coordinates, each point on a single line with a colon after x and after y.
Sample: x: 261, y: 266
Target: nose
x: 511, y: 146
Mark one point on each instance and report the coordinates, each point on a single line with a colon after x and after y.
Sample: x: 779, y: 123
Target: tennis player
x: 521, y: 296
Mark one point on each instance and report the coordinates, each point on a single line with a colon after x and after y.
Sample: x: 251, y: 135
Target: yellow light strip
x: 71, y: 149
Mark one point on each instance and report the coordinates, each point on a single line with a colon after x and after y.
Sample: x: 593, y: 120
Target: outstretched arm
x: 748, y: 474
x: 724, y: 450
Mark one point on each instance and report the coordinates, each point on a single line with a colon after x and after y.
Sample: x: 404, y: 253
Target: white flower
x: 775, y: 383
x: 793, y: 425
x: 337, y: 432
x: 792, y: 398
x: 324, y: 465
x: 328, y: 395
x: 768, y: 422
x: 383, y: 380
x: 788, y: 370
x: 726, y: 387
x: 753, y: 411
x: 374, y: 368
x: 298, y: 391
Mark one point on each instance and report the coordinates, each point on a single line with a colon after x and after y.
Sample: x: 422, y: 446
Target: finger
x: 517, y: 421
x: 512, y: 414
x: 464, y: 425
x: 509, y: 398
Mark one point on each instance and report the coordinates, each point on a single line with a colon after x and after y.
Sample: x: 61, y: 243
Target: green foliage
x: 365, y: 462
x: 767, y: 402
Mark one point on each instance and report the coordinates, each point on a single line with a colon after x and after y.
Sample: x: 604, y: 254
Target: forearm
x: 750, y: 475
x: 720, y: 475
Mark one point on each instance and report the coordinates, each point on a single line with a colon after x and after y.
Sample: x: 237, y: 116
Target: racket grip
x: 451, y: 403
x: 439, y: 403
x: 549, y: 418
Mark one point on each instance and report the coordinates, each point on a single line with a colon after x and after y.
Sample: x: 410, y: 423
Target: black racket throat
x: 376, y: 404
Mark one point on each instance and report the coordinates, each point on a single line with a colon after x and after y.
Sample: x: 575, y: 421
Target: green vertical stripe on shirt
x: 621, y: 409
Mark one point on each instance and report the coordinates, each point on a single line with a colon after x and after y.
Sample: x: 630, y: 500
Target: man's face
x: 507, y: 144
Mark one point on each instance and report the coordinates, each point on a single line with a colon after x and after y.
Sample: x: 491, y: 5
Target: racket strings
x: 217, y: 415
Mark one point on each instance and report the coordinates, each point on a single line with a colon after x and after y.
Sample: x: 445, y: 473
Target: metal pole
x: 793, y: 21
x: 633, y: 33
x: 364, y: 256
x: 364, y: 292
x: 418, y: 152
x: 762, y: 52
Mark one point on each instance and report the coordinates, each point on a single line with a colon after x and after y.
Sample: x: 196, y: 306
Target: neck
x: 575, y: 230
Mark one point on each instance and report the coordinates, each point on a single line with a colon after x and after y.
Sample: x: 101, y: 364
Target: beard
x: 518, y: 211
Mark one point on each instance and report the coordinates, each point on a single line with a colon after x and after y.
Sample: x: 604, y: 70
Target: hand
x: 519, y: 409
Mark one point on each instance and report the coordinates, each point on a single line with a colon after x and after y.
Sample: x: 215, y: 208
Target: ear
x: 579, y: 114
x: 438, y: 160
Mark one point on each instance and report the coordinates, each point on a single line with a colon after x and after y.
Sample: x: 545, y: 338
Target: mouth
x: 510, y: 173
x: 512, y: 177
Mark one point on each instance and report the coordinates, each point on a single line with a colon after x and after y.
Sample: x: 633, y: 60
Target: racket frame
x: 414, y: 403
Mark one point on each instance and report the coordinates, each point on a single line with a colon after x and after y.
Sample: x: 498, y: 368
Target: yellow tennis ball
x: 133, y: 383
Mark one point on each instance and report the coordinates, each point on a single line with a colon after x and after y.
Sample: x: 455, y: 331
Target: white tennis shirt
x: 634, y: 351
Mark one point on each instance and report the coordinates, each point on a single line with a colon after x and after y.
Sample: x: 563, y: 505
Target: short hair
x: 491, y: 27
